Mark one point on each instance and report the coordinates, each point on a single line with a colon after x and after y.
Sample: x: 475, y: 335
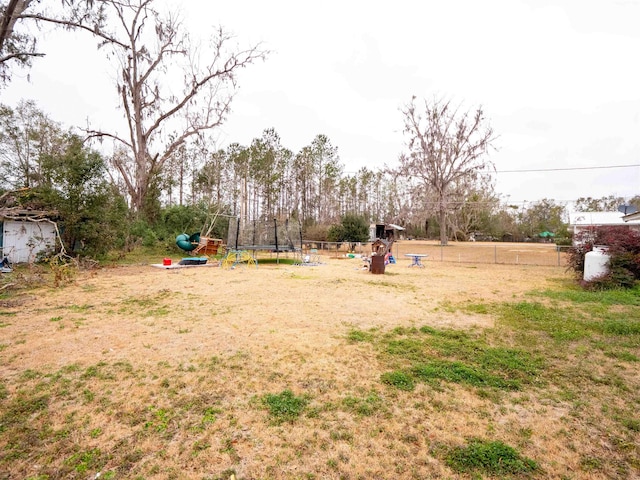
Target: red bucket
x: 166, y: 261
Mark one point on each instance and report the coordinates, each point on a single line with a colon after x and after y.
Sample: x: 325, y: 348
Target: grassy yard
x: 321, y: 372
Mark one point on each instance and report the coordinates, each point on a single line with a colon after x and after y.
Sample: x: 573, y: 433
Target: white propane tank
x: 596, y: 263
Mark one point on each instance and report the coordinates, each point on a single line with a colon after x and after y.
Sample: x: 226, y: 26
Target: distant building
x: 386, y: 231
x: 586, y: 221
x: 631, y: 217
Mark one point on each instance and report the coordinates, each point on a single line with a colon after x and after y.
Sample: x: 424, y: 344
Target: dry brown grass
x: 152, y: 373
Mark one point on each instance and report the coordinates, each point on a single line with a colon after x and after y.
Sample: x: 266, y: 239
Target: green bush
x: 140, y: 230
x: 352, y: 229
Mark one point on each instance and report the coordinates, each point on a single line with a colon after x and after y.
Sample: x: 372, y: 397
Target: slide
x: 186, y: 242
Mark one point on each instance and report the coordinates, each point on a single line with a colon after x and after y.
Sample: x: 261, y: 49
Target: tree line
x: 56, y: 170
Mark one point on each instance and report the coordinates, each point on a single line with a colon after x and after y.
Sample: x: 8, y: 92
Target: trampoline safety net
x: 272, y: 235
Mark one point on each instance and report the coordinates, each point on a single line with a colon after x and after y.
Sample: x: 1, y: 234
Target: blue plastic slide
x: 186, y: 242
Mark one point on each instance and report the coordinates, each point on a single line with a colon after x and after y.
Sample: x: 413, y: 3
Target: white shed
x: 22, y: 239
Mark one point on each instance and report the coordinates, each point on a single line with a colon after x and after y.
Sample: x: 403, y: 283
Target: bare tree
x: 160, y: 118
x: 18, y: 40
x: 444, y: 147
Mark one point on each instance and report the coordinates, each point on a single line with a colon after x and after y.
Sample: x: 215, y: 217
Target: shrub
x: 624, y: 252
x: 352, y: 229
x: 316, y: 232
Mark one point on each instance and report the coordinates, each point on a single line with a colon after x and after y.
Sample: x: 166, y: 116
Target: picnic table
x: 417, y: 259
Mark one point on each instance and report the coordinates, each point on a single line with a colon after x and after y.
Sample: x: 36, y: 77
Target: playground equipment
x: 269, y: 236
x: 237, y: 257
x: 200, y: 245
x: 265, y: 235
x: 381, y: 246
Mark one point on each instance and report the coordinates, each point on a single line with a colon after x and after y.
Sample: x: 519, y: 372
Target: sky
x: 559, y: 82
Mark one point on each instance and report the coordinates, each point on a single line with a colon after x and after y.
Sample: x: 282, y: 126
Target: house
x: 25, y: 235
x: 631, y: 217
x: 585, y: 221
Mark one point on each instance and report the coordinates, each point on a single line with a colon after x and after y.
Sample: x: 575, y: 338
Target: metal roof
x: 396, y: 227
x: 631, y: 217
x: 599, y: 218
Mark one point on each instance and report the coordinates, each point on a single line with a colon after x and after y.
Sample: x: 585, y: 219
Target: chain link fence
x: 524, y: 253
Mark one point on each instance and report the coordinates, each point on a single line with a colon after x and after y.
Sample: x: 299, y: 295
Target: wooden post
x: 275, y: 231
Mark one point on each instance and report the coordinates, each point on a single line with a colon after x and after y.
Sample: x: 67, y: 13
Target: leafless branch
x: 20, y: 55
x: 94, y: 30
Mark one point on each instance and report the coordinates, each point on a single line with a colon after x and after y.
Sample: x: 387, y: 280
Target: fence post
x: 495, y: 254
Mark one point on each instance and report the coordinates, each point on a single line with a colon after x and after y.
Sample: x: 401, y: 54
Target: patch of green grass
x: 429, y: 354
x: 151, y: 305
x: 200, y: 445
x: 159, y: 421
x: 576, y: 294
x: 489, y: 458
x: 364, y: 406
x: 21, y: 407
x: 29, y: 374
x: 457, y: 372
x: 209, y: 416
x: 157, y: 312
x: 512, y: 362
x: 100, y: 370
x: 480, y: 308
x: 560, y: 324
x: 408, y: 348
x: 84, y: 462
x: 399, y: 379
x: 284, y: 407
x: 632, y: 424
x: 590, y: 463
x: 88, y: 396
x: 80, y: 308
x: 616, y: 325
x: 622, y: 355
x: 621, y: 327
x: 359, y: 336
x: 276, y: 261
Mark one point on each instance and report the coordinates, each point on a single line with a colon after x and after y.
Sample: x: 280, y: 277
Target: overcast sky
x: 558, y: 80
